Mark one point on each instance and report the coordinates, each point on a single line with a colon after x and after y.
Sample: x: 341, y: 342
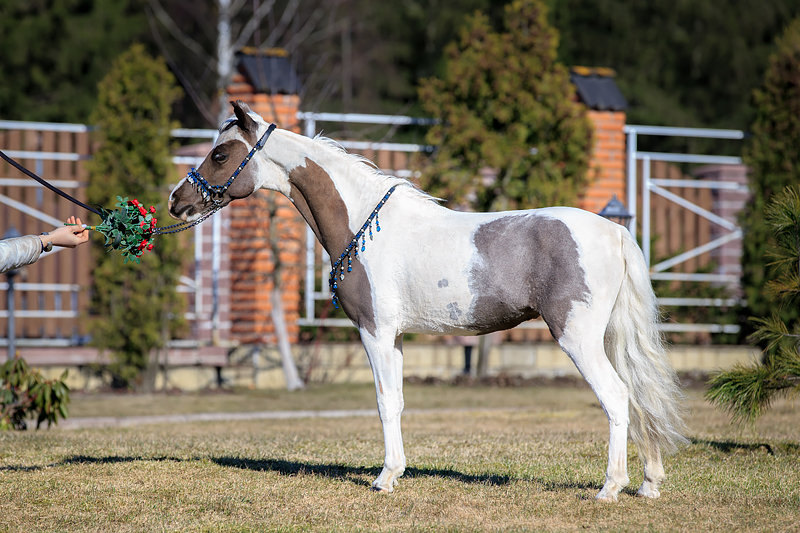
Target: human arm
x: 68, y: 236
x: 21, y: 251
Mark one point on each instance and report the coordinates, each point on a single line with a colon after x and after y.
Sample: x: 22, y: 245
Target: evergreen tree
x: 136, y: 308
x: 56, y: 51
x: 510, y: 134
x: 774, y: 160
x: 746, y: 391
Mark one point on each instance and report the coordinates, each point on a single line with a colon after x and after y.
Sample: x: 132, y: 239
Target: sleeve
x: 19, y: 251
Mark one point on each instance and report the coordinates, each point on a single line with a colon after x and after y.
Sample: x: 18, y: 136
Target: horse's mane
x: 365, y: 165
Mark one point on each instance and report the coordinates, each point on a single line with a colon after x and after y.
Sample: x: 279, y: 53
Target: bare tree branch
x: 181, y: 37
x: 286, y: 18
x: 196, y: 96
x: 250, y: 28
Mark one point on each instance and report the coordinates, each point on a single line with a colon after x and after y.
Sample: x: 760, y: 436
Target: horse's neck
x: 331, y: 191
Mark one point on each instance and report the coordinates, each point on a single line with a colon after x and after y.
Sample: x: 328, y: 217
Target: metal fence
x: 53, y: 157
x: 677, y: 190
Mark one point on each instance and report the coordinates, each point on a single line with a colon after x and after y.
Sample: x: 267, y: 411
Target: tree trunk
x: 293, y: 381
x: 224, y: 56
x: 484, y: 347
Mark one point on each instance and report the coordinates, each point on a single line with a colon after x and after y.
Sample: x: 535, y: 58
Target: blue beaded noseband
x: 352, y: 249
x: 214, y: 193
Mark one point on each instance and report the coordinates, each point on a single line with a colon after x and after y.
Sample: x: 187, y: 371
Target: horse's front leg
x: 385, y: 353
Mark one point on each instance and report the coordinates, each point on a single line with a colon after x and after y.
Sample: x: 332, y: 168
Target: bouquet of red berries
x: 130, y: 228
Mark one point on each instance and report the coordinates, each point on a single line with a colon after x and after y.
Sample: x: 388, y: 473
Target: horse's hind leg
x: 386, y: 359
x: 653, y: 473
x: 583, y: 342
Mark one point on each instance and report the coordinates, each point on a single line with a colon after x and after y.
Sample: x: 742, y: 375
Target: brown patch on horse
x: 320, y: 204
x: 528, y: 266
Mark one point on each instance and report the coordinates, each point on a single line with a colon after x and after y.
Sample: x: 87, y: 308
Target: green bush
x: 510, y: 134
x: 746, y: 391
x: 136, y: 308
x: 25, y: 394
x: 774, y: 160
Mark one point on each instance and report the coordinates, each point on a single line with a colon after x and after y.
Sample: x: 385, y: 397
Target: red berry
x: 152, y: 209
x: 150, y: 247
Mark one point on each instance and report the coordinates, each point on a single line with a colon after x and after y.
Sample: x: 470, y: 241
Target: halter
x: 214, y: 193
x: 352, y: 249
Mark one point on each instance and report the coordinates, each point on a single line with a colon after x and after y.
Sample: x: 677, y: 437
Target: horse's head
x: 221, y: 178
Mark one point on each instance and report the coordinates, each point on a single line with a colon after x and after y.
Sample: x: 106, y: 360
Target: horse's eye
x: 220, y: 157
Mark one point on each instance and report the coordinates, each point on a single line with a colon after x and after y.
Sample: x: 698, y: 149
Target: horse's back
x: 496, y: 270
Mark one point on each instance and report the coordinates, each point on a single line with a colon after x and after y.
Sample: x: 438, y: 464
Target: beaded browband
x: 214, y: 193
x: 352, y: 249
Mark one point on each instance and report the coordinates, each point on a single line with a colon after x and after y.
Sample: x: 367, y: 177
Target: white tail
x: 634, y: 346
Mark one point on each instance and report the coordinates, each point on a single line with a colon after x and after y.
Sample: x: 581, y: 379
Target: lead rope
x: 209, y: 192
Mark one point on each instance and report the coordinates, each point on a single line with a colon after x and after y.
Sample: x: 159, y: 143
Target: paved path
x: 127, y: 421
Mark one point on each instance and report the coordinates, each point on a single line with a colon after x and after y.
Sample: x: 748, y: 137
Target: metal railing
x: 660, y: 187
x: 68, y: 291
x: 317, y: 261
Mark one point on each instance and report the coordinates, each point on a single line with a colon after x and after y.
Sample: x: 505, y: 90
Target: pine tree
x: 511, y: 134
x: 774, y: 160
x: 135, y: 307
x: 746, y: 391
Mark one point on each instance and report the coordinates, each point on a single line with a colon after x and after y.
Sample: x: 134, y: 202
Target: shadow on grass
x: 356, y: 474
x: 86, y: 459
x: 352, y: 474
x: 733, y: 447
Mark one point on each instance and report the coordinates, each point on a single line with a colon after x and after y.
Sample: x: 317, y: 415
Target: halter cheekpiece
x: 214, y: 193
x: 352, y: 248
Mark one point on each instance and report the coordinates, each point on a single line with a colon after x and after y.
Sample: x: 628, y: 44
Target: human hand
x: 68, y: 236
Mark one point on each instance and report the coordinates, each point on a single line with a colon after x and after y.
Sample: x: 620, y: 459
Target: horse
x: 429, y: 269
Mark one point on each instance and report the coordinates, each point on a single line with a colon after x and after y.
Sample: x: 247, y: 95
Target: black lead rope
x: 210, y: 192
x: 51, y: 187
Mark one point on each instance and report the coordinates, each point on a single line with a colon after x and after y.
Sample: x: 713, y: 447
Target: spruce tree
x: 135, y: 307
x: 510, y: 133
x: 746, y: 391
x: 774, y: 160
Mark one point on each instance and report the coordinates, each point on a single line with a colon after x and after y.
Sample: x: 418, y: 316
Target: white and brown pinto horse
x: 433, y: 270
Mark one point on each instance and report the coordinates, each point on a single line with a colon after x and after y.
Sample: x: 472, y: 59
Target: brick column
x: 251, y: 259
x: 607, y: 164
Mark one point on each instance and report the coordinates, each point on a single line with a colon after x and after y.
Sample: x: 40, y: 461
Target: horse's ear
x: 244, y: 120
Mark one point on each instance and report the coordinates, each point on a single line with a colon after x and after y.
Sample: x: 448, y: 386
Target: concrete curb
x: 129, y: 421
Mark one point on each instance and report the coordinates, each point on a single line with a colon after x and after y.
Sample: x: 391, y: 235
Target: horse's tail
x: 635, y: 347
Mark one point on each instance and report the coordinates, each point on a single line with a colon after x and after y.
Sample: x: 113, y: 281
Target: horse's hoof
x: 606, y: 498
x: 383, y: 490
x: 648, y: 491
x: 608, y: 494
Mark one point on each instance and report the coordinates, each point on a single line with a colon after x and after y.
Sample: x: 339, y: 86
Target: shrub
x: 25, y: 394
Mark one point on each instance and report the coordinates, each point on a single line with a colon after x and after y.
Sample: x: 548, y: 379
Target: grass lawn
x: 535, y: 465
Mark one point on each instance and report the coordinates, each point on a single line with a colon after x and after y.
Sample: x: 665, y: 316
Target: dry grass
x: 516, y: 469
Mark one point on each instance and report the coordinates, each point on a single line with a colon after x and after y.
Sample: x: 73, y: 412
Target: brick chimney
x: 267, y: 83
x: 595, y: 87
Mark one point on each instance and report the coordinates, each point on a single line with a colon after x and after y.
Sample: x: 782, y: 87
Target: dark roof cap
x: 268, y: 71
x: 596, y: 88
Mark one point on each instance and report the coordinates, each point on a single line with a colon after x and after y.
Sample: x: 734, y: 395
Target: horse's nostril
x: 181, y: 212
